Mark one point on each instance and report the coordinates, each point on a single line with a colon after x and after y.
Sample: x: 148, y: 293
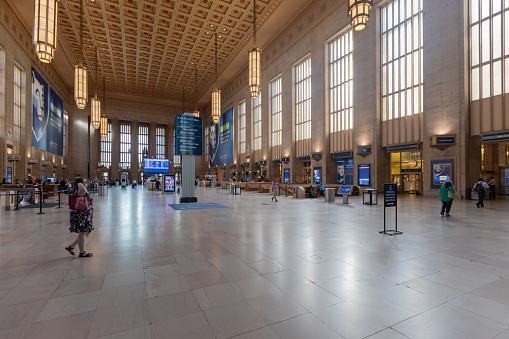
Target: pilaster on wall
x: 367, y: 117
x: 115, y: 149
x: 169, y: 146
x: 445, y: 95
x: 135, y: 165
x: 152, y: 139
x: 95, y: 144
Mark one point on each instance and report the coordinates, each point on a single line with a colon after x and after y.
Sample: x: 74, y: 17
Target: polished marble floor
x: 257, y: 269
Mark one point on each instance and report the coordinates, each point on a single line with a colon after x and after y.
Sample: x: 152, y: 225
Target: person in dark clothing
x: 158, y: 184
x: 493, y: 185
x: 480, y: 187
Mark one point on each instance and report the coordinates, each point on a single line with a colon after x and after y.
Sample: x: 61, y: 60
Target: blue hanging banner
x: 47, y: 116
x: 221, y: 140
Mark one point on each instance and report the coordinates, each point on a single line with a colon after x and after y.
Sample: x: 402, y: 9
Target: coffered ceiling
x: 150, y: 48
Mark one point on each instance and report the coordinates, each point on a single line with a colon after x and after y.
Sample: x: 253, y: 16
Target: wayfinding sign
x: 390, y: 195
x: 188, y: 135
x: 391, y: 200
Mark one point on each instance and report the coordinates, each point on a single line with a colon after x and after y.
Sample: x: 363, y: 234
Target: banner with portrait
x: 221, y: 140
x: 47, y: 116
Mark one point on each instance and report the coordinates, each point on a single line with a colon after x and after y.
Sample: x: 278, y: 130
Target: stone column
x: 445, y: 94
x: 169, y: 146
x: 134, y: 150
x: 95, y: 144
x: 152, y: 140
x: 115, y: 148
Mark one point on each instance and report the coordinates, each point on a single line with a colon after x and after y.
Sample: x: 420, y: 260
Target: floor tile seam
x: 425, y: 311
x: 482, y: 263
x: 206, y: 319
x: 389, y: 327
x: 269, y: 325
x: 317, y: 317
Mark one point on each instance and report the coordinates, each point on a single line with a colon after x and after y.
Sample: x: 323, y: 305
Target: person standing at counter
x: 446, y: 199
x: 81, y: 221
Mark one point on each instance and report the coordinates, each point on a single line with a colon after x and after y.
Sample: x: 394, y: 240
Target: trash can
x: 230, y: 189
x: 103, y: 190
x: 330, y: 195
x: 300, y: 193
x: 117, y: 183
x: 370, y: 196
x: 236, y: 189
x: 473, y: 194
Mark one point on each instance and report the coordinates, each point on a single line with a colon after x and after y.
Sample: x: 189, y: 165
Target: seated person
x: 311, y: 191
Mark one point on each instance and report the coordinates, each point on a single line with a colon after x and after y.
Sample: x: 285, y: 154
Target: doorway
x: 406, y: 171
x: 306, y: 172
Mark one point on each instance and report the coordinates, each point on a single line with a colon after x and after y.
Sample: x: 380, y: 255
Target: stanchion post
x: 59, y: 199
x: 17, y: 201
x: 40, y: 203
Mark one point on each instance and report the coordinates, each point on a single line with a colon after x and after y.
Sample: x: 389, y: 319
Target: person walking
x: 480, y: 187
x: 446, y: 192
x: 274, y: 189
x: 321, y: 189
x: 81, y: 221
x: 492, y: 185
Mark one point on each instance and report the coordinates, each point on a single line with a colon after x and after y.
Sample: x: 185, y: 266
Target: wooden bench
x: 252, y: 186
x: 264, y: 187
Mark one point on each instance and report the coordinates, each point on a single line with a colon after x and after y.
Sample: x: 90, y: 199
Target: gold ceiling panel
x: 151, y: 47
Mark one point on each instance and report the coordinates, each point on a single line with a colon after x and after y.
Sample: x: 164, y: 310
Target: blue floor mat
x: 196, y: 206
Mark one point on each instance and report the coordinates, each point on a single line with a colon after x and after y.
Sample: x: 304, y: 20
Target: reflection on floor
x: 257, y: 269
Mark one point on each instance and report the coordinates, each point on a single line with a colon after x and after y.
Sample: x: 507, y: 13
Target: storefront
x: 406, y: 171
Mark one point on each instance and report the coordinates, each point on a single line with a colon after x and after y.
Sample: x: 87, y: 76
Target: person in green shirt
x: 445, y: 198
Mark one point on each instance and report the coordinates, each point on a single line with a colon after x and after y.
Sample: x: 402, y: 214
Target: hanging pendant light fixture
x: 196, y: 113
x: 216, y: 97
x: 255, y: 56
x: 45, y: 29
x: 359, y: 11
x: 81, y: 72
x: 104, y: 120
x: 95, y: 102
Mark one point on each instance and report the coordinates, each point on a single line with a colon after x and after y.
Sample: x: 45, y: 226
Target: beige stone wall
x: 16, y: 46
x: 445, y: 93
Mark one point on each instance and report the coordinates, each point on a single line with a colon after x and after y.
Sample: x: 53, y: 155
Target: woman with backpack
x: 446, y: 193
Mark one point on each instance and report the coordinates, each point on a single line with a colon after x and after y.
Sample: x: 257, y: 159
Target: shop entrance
x: 306, y: 172
x: 406, y: 171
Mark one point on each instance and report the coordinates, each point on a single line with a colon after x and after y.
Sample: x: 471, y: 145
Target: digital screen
x: 507, y: 175
x: 42, y: 175
x: 316, y: 174
x: 156, y: 166
x: 345, y: 189
x: 247, y: 177
x: 364, y: 175
x: 9, y: 175
x: 169, y: 183
x: 287, y: 176
x: 441, y: 173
